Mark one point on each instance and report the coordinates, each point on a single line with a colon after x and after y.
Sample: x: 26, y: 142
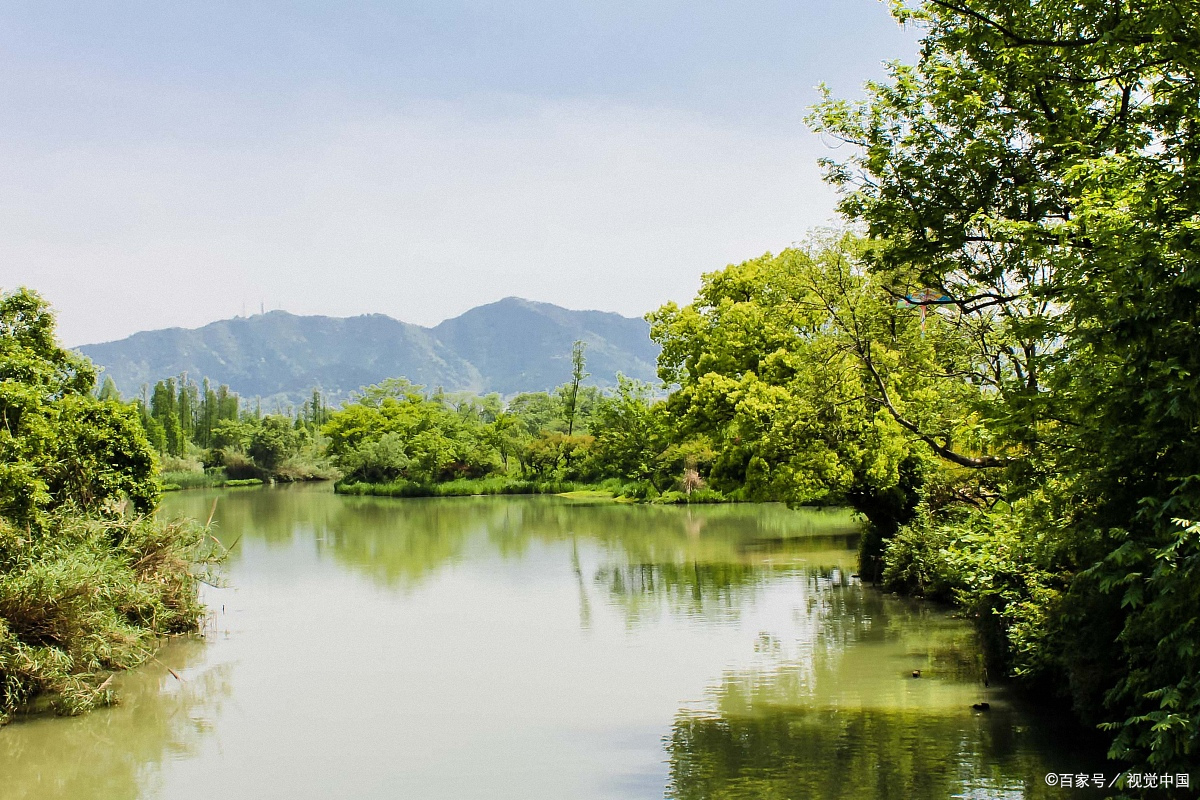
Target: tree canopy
x: 1038, y: 168
x: 59, y: 445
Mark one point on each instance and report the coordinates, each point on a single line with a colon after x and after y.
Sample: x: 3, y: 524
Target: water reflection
x: 683, y: 554
x: 533, y: 648
x: 840, y: 715
x: 871, y: 753
x: 116, y: 752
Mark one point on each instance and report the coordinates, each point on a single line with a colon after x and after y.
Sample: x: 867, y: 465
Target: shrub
x: 997, y: 567
x: 459, y: 488
x: 85, y: 596
x: 239, y: 466
x: 300, y: 468
x: 273, y: 441
x: 175, y: 464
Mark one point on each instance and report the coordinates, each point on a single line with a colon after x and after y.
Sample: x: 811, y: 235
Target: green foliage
x: 87, y: 596
x: 460, y: 487
x: 272, y: 441
x: 810, y: 385
x: 396, y: 434
x: 174, y: 481
x: 1038, y: 167
x: 631, y: 433
x: 395, y: 431
x: 994, y: 565
x: 108, y: 391
x: 58, y: 444
x: 578, y: 362
x: 180, y: 414
x: 537, y: 411
x: 233, y: 484
x: 87, y: 581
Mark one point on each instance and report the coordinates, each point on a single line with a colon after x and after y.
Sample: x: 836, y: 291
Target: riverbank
x: 216, y: 479
x: 614, y: 489
x: 193, y: 480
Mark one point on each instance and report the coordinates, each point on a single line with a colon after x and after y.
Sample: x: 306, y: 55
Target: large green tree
x: 815, y: 385
x: 59, y: 445
x: 397, y: 431
x: 1039, y: 168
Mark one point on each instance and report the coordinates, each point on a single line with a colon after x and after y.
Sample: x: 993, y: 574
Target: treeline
x: 206, y: 437
x: 397, y: 439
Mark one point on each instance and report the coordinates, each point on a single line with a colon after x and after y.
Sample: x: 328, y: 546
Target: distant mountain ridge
x: 509, y: 346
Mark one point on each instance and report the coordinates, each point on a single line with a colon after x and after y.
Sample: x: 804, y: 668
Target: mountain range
x: 510, y: 346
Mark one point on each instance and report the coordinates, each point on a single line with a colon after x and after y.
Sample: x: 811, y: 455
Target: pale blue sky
x: 170, y: 164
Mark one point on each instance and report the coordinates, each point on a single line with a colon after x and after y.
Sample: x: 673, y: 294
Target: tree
x: 89, y: 580
x: 631, y: 432
x: 577, y: 375
x: 811, y: 385
x: 58, y: 444
x: 272, y: 442
x: 394, y: 431
x: 510, y: 437
x: 188, y: 408
x: 108, y: 391
x: 537, y: 411
x: 1038, y: 168
x: 164, y: 408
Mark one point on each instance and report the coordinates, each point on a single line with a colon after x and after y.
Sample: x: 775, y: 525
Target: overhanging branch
x: 953, y: 456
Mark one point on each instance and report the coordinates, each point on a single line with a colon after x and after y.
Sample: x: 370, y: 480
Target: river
x: 543, y: 648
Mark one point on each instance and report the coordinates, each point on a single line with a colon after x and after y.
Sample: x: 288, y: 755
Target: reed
x: 82, y: 597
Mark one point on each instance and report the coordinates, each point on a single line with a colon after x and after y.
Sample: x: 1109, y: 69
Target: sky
x: 170, y: 164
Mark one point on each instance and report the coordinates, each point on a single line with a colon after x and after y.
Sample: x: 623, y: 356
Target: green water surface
x: 547, y: 649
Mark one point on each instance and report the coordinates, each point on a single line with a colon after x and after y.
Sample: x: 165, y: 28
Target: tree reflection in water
x: 835, y: 716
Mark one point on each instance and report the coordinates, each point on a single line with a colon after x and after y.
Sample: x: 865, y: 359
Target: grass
x: 240, y: 470
x: 613, y: 489
x: 191, y: 479
x: 174, y: 481
x: 83, y: 597
x: 463, y: 487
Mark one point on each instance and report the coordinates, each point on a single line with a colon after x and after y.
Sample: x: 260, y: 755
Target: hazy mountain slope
x: 510, y: 346
x: 518, y: 345
x: 284, y: 354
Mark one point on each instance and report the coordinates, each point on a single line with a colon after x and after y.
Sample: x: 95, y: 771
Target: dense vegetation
x: 87, y: 579
x: 205, y: 438
x: 999, y: 370
x: 1036, y: 175
x: 399, y: 440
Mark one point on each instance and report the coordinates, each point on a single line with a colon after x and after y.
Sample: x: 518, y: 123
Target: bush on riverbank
x: 1010, y: 583
x: 242, y: 482
x: 239, y: 470
x: 88, y: 578
x: 172, y: 481
x: 83, y: 596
